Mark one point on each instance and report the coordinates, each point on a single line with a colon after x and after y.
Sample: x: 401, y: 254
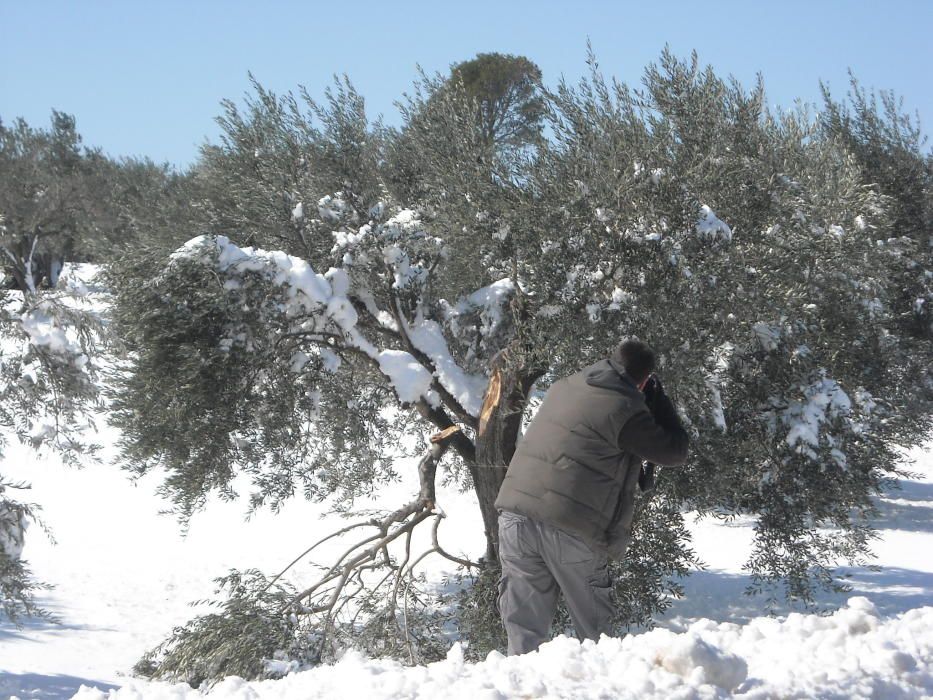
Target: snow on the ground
x: 851, y: 653
x: 124, y: 576
x: 904, y: 581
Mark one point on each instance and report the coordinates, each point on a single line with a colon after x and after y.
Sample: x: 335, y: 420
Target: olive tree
x: 750, y: 249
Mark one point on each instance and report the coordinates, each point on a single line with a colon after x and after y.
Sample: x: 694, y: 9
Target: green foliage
x: 149, y: 204
x: 659, y: 557
x: 413, y: 632
x: 477, y: 619
x: 18, y: 588
x: 258, y: 632
x: 465, y: 134
x: 888, y: 148
x: 63, y: 201
x: 247, y: 631
x: 507, y: 92
x: 46, y: 199
x: 49, y: 372
x: 442, y: 164
x: 216, y: 380
x: 278, y: 152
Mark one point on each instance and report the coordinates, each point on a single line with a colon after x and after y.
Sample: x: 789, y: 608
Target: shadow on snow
x: 908, y: 506
x: 29, y: 625
x: 720, y: 595
x: 45, y: 687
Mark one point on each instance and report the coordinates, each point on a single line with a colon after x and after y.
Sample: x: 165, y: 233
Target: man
x: 567, y: 501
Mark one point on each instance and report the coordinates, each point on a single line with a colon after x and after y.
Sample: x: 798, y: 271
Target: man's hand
x: 655, y: 435
x: 660, y: 405
x: 651, y: 390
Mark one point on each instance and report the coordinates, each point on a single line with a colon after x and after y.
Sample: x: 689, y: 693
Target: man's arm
x: 658, y: 438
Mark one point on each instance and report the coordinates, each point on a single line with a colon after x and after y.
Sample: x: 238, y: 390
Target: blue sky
x: 146, y: 78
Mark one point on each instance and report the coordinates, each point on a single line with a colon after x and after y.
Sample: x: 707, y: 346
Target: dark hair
x: 636, y: 357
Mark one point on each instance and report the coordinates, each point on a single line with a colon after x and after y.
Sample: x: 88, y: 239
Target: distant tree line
x: 63, y: 201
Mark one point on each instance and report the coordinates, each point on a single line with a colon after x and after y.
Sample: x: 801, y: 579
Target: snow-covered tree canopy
x: 350, y: 267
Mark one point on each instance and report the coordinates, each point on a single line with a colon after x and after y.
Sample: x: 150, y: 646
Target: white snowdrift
x: 852, y: 653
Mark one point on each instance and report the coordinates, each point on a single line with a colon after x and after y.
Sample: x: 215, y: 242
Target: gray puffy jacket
x: 577, y: 466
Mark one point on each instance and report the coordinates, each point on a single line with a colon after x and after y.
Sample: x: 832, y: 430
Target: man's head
x: 637, y: 358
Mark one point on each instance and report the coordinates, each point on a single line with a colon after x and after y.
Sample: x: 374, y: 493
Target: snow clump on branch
x: 327, y: 306
x: 319, y: 303
x: 712, y: 227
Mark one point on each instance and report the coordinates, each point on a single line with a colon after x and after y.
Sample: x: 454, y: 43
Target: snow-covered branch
x: 420, y: 365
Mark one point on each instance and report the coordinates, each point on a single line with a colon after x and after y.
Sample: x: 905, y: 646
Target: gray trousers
x: 538, y: 562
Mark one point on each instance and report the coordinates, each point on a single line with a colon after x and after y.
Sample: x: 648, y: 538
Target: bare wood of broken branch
x: 336, y: 571
x: 331, y: 618
x: 393, y: 600
x: 491, y: 402
x: 437, y: 549
x: 343, y: 572
x: 458, y: 440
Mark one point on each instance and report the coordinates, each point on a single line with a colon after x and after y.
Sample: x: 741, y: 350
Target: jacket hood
x: 608, y: 374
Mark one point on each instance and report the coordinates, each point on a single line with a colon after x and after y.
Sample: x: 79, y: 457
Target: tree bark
x: 496, y: 438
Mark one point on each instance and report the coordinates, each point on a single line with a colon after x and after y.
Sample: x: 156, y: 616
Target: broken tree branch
x: 329, y: 593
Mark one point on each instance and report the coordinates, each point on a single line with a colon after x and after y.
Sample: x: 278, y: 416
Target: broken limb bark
x: 460, y: 442
x: 499, y: 427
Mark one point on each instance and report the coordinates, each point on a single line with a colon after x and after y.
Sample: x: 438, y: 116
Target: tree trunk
x: 499, y: 428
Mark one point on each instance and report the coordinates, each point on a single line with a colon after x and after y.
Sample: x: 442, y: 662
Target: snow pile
x: 332, y: 207
x: 45, y: 330
x: 80, y: 279
x: 467, y: 388
x: 852, y: 653
x: 410, y: 379
x: 489, y: 300
x: 717, y: 379
x: 48, y: 323
x: 319, y: 301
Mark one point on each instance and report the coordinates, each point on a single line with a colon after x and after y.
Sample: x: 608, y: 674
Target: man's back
x: 567, y: 469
